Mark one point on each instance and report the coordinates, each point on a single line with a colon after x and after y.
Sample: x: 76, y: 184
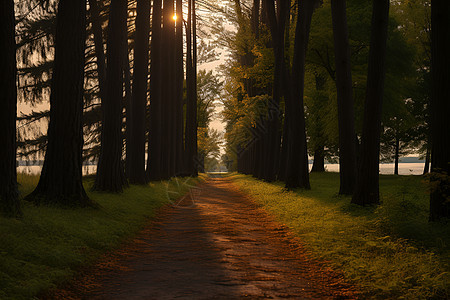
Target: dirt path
x: 223, y: 247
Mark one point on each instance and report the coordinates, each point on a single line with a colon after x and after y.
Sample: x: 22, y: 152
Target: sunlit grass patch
x: 390, y: 251
x: 47, y: 245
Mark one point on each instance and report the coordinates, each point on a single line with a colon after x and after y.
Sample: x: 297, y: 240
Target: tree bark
x: 179, y: 120
x: 136, y: 144
x: 396, y: 155
x: 154, y: 145
x: 168, y: 93
x: 127, y: 123
x: 9, y: 198
x: 94, y: 12
x: 110, y: 172
x: 319, y: 161
x: 277, y: 24
x: 426, y: 168
x: 367, y: 186
x: 255, y: 18
x: 297, y: 169
x: 191, y: 108
x: 440, y: 110
x: 194, y: 87
x: 61, y: 177
x: 346, y: 116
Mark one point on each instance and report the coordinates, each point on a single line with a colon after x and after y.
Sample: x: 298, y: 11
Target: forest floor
x: 217, y: 243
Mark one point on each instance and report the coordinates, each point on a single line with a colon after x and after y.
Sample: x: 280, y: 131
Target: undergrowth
x: 389, y: 251
x: 48, y: 245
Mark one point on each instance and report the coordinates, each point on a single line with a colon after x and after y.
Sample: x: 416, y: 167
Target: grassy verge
x: 389, y: 251
x: 48, y: 245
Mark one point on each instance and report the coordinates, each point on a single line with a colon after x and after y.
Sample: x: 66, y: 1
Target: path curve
x: 223, y: 247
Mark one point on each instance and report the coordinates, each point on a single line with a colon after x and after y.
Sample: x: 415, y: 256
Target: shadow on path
x: 223, y: 247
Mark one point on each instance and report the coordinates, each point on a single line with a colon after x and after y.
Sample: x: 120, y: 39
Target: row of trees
x: 351, y: 81
x: 96, y: 91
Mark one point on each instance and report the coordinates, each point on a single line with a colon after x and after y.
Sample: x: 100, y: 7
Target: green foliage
x: 47, y: 245
x: 209, y: 92
x: 400, y: 74
x: 390, y: 251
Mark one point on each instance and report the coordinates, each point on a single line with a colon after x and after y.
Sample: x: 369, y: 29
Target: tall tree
x: 136, y: 144
x: 94, y: 14
x: 346, y: 117
x: 179, y: 80
x: 440, y: 110
x: 61, y: 177
x: 367, y: 185
x: 155, y: 134
x: 297, y: 169
x: 168, y: 91
x: 9, y: 200
x: 110, y: 171
x: 191, y: 107
x: 277, y: 23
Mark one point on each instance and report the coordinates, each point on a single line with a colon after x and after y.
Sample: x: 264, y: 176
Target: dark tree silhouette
x: 319, y: 161
x: 255, y: 20
x: 154, y: 145
x: 179, y: 80
x: 61, y: 178
x: 277, y: 23
x: 346, y: 117
x: 110, y: 173
x: 9, y: 202
x: 168, y: 92
x: 136, y: 144
x: 426, y: 168
x: 440, y: 110
x: 191, y: 79
x: 94, y: 14
x: 367, y: 185
x: 297, y: 169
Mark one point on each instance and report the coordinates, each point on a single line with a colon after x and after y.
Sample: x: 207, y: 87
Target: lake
x: 403, y: 168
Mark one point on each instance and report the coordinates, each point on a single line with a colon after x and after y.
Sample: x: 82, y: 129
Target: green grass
x: 48, y: 245
x: 390, y: 251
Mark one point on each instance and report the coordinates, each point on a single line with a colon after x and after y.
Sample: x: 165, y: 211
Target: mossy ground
x: 48, y: 245
x: 390, y: 251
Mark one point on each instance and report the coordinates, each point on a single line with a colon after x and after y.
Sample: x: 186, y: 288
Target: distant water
x: 36, y: 170
x: 387, y: 169
x: 403, y: 169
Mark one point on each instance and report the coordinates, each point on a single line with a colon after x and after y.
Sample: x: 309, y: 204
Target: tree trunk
x: 284, y: 146
x: 396, y: 155
x: 297, y: 169
x: 94, y: 12
x: 255, y: 18
x: 61, y: 177
x: 9, y: 199
x: 179, y: 120
x: 319, y: 161
x: 155, y: 137
x: 277, y: 28
x: 367, y: 186
x: 426, y: 168
x: 346, y: 117
x: 127, y: 123
x: 191, y: 108
x: 110, y: 173
x: 136, y: 144
x: 440, y: 110
x: 168, y: 93
x: 194, y: 87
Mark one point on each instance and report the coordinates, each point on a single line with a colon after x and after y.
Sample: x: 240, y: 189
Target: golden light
x: 175, y: 17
